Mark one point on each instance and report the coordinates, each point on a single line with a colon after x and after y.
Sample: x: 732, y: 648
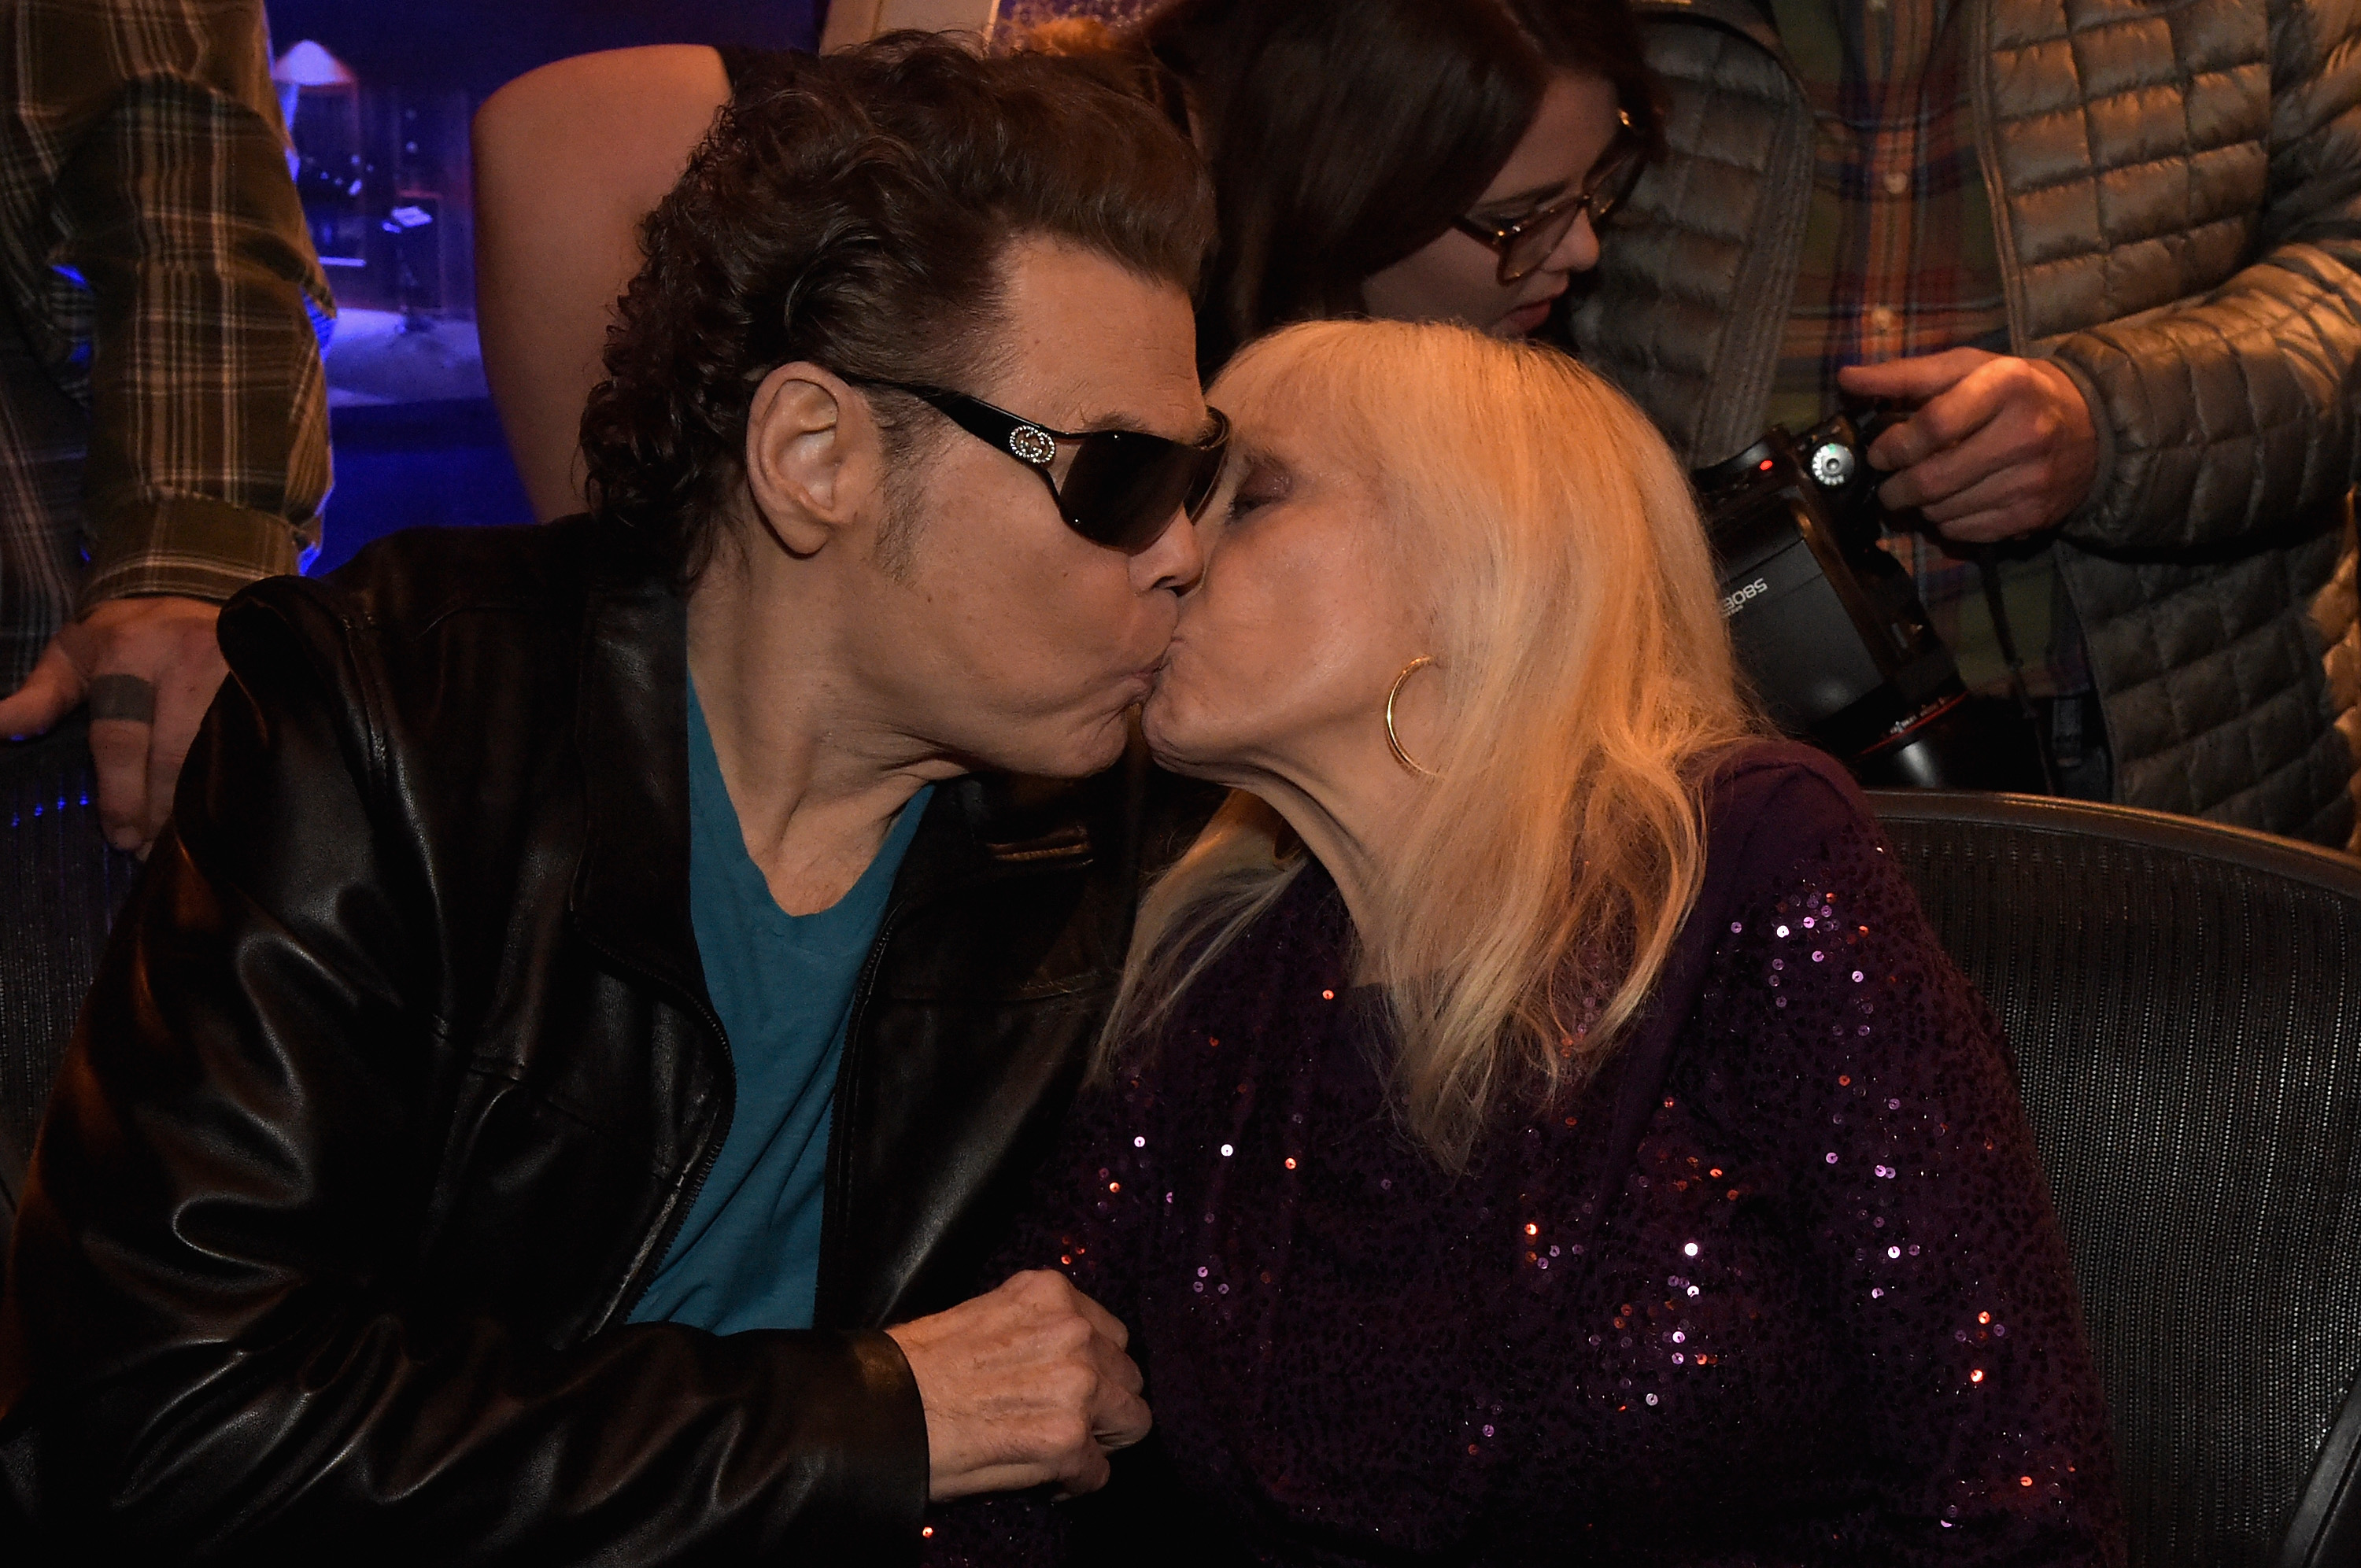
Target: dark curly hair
x: 853, y: 212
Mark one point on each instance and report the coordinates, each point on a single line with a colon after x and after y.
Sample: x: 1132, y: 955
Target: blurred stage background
x: 378, y: 100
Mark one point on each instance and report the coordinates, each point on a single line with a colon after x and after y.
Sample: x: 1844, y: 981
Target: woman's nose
x: 1577, y: 252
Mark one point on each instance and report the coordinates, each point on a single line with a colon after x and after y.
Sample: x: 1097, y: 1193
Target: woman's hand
x: 1025, y: 1385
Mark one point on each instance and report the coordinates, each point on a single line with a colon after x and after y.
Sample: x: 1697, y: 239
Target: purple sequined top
x: 1782, y: 1286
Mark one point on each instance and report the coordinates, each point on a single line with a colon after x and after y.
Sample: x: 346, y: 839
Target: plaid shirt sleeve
x: 178, y: 262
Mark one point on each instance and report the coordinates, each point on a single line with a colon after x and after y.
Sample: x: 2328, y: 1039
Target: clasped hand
x: 1996, y: 447
x: 168, y: 645
x: 1024, y: 1386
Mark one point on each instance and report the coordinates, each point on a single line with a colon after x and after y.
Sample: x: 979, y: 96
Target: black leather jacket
x: 400, y: 1073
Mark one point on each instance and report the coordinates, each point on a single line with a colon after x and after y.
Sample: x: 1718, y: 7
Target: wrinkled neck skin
x: 1348, y: 802
x: 817, y: 761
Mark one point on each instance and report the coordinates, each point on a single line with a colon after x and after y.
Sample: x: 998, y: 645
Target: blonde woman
x: 1539, y: 1123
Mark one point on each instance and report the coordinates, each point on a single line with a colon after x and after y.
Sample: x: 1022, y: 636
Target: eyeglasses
x: 1529, y: 241
x: 1125, y: 487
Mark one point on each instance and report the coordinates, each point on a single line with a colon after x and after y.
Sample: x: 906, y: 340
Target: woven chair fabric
x: 59, y: 887
x: 2189, y: 1041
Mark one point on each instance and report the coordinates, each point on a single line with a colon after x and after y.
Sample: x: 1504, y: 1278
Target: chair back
x: 59, y: 887
x: 2183, y: 1004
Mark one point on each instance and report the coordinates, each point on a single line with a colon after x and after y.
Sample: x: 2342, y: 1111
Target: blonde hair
x: 1586, y: 673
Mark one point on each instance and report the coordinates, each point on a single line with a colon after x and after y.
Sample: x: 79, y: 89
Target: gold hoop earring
x: 1393, y: 740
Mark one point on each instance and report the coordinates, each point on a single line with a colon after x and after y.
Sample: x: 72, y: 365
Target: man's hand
x: 156, y: 667
x: 1998, y: 447
x: 1025, y: 1385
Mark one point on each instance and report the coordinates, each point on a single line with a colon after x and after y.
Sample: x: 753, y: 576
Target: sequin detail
x: 1821, y: 1302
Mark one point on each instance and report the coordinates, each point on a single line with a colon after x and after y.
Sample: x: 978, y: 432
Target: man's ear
x: 815, y: 459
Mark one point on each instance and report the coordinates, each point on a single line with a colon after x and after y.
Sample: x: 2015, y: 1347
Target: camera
x: 1829, y: 628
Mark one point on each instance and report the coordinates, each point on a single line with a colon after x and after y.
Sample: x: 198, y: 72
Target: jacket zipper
x: 841, y: 1113
x: 653, y: 1262
x: 651, y: 1258
x: 840, y: 1141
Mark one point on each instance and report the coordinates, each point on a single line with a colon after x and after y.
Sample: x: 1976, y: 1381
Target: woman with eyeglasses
x: 1537, y: 1124
x: 1417, y: 160
x: 1412, y: 160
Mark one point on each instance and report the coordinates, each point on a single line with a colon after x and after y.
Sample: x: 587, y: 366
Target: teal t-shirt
x: 748, y: 1254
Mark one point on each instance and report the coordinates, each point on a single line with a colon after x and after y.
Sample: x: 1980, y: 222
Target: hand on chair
x: 149, y: 668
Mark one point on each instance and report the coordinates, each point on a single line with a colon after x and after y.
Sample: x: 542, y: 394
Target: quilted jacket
x: 2176, y: 186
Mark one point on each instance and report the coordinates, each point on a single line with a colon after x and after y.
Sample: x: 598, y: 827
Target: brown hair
x: 853, y: 212
x: 1346, y: 134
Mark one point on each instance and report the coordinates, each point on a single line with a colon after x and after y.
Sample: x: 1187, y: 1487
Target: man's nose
x: 1175, y: 561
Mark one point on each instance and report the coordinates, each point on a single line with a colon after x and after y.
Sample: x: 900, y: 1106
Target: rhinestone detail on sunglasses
x: 1034, y: 444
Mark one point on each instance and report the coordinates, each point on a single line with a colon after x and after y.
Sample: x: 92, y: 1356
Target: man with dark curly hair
x: 602, y: 982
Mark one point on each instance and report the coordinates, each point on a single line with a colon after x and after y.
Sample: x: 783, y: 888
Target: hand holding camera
x: 1828, y: 627
x: 1998, y: 447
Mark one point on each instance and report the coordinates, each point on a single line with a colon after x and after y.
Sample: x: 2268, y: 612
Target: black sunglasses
x: 1125, y: 487
x: 1528, y: 242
